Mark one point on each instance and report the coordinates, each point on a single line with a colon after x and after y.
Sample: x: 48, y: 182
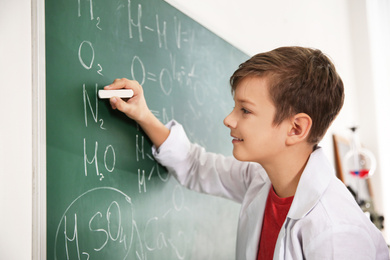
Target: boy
x: 293, y: 206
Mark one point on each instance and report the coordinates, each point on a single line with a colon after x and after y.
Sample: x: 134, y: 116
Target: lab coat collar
x: 312, y: 184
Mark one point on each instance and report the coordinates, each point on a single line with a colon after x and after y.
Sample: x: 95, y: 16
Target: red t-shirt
x: 275, y: 213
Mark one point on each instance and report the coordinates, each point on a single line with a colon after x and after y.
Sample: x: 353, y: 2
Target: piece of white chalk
x: 122, y: 93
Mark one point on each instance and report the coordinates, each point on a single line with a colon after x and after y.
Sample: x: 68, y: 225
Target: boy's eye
x: 245, y: 111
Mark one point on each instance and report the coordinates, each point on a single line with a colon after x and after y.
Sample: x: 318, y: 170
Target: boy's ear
x: 299, y: 128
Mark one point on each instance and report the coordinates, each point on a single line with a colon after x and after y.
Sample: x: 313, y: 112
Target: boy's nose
x: 229, y: 121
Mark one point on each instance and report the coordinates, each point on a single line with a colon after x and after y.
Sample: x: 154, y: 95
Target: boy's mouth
x: 236, y: 139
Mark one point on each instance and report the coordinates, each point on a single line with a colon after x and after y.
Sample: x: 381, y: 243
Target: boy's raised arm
x: 137, y: 109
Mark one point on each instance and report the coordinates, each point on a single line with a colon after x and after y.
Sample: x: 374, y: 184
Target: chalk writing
x: 139, y: 148
x: 109, y: 149
x: 90, y: 8
x: 166, y: 81
x: 98, y: 23
x: 162, y: 36
x: 86, y: 66
x: 83, y: 56
x: 109, y: 158
x: 165, y: 117
x: 73, y: 239
x: 99, y: 71
x: 112, y: 228
x: 136, y: 24
x: 160, y: 176
x: 141, y: 180
x: 138, y: 60
x: 94, y: 111
x: 162, y: 239
x: 139, y: 249
x: 131, y: 39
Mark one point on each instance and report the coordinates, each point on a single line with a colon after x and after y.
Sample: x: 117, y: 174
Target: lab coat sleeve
x: 201, y: 171
x: 347, y: 242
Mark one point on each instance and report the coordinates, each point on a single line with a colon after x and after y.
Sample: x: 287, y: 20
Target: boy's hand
x: 135, y: 107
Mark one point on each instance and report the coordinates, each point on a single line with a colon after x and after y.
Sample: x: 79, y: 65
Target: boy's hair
x: 301, y: 80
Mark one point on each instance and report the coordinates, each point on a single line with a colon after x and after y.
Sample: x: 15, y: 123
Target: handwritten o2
x: 89, y: 65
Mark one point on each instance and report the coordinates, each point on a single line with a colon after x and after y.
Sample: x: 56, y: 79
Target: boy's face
x: 255, y: 138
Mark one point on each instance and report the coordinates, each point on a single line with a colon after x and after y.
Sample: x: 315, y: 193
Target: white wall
x: 15, y: 130
x: 378, y: 17
x: 251, y: 25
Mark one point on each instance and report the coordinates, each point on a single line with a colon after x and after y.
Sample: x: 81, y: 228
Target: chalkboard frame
x: 38, y: 130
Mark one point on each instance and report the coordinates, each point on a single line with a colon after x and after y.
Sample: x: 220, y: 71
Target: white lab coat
x: 324, y: 221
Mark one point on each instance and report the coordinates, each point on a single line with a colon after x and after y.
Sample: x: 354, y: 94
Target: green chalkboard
x: 107, y: 198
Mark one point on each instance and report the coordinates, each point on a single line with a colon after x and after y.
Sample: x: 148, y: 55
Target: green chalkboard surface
x: 107, y: 198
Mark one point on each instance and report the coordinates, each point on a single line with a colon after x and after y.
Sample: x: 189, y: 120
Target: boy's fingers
x: 114, y: 102
x: 122, y: 83
x: 115, y: 85
x: 118, y: 103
